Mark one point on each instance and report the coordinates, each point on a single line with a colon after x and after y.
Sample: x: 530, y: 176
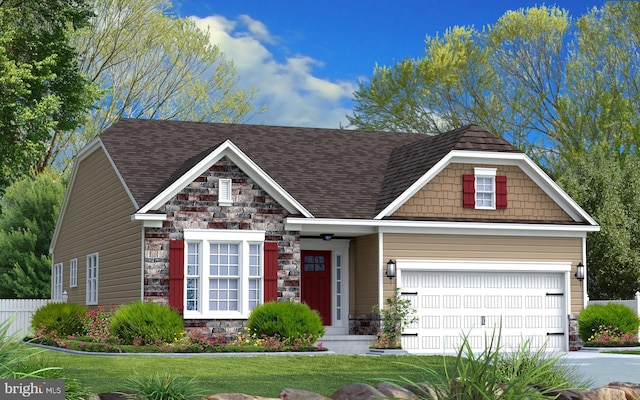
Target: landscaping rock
x: 605, y: 393
x: 298, y: 394
x: 565, y: 394
x: 422, y: 390
x: 631, y: 390
x: 357, y: 391
x: 393, y: 391
x: 235, y: 396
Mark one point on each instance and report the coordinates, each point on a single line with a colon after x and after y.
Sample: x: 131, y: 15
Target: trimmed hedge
x: 146, y: 323
x: 615, y: 315
x: 59, y: 319
x: 286, y: 319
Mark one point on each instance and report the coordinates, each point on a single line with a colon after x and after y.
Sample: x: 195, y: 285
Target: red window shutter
x: 270, y: 271
x: 501, y: 192
x: 468, y: 191
x: 176, y: 275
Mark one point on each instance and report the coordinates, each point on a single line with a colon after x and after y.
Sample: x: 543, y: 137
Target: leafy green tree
x: 30, y: 212
x: 607, y: 189
x: 553, y: 86
x: 42, y: 90
x: 152, y: 64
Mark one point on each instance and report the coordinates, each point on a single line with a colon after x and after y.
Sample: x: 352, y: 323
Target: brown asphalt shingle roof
x: 333, y: 173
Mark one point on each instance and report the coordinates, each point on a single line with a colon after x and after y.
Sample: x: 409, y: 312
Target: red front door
x: 316, y: 282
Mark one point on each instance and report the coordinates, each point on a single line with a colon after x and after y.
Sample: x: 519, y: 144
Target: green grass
x: 257, y: 375
x: 633, y: 352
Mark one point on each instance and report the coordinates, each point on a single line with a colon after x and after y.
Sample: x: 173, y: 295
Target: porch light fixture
x: 579, y: 272
x: 391, y: 269
x: 326, y: 236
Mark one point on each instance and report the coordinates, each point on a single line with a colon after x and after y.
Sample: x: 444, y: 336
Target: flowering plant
x: 275, y: 342
x: 610, y: 336
x: 96, y: 324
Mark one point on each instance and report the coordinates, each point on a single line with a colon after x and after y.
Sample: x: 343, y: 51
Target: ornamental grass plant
x: 495, y: 374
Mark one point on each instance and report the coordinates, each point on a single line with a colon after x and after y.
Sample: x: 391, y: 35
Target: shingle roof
x: 333, y: 173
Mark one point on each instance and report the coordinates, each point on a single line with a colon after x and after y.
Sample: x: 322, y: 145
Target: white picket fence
x: 23, y: 310
x: 632, y: 304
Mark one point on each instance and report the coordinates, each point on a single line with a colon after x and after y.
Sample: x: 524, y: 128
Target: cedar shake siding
x: 441, y: 198
x: 488, y: 248
x: 196, y: 207
x: 97, y: 219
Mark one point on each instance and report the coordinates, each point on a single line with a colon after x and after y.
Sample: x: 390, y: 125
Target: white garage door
x: 529, y: 305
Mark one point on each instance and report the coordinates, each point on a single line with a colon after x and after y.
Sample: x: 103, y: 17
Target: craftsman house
x: 214, y: 219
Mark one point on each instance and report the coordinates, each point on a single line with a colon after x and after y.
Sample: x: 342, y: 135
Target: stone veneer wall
x: 196, y: 207
x: 364, y: 324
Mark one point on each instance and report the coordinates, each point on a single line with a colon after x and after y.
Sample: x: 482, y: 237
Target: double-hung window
x: 73, y: 272
x: 223, y: 272
x: 485, y: 188
x: 92, y: 279
x: 57, y: 282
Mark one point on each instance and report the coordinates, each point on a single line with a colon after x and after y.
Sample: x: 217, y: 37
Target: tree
x: 151, y: 64
x: 607, y: 189
x: 565, y: 91
x: 42, y: 91
x: 30, y: 212
x: 552, y: 87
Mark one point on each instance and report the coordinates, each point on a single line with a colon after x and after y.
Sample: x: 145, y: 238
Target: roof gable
x: 197, y: 165
x: 332, y: 173
x: 320, y: 173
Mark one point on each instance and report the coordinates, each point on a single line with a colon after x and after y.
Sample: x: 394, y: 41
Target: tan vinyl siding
x: 97, y: 219
x: 363, y: 290
x: 487, y: 248
x: 442, y: 198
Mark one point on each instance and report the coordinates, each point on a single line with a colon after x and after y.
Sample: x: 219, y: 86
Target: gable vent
x: 224, y: 192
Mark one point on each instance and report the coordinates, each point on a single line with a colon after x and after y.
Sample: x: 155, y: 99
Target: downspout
x: 379, y: 268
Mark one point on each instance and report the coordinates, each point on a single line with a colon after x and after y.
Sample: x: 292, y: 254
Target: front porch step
x: 347, y: 344
x: 387, y: 352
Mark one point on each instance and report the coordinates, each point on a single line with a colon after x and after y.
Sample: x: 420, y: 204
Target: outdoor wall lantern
x: 579, y: 272
x: 391, y: 269
x: 326, y: 236
x: 65, y: 296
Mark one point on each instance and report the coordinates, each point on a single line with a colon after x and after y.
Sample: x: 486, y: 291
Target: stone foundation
x: 364, y: 324
x: 575, y: 343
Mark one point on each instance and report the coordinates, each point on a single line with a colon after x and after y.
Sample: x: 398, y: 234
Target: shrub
x: 287, y: 320
x: 146, y: 323
x: 397, y: 313
x: 594, y: 317
x: 160, y: 387
x: 58, y: 319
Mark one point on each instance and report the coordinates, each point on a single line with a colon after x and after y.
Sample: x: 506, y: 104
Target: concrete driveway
x: 603, y: 368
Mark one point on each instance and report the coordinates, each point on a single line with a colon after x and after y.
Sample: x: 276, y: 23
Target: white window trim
x: 242, y: 237
x: 57, y: 281
x: 485, y: 173
x: 73, y: 272
x: 92, y: 297
x: 224, y: 192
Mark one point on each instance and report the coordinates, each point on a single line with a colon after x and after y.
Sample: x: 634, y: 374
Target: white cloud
x: 293, y: 94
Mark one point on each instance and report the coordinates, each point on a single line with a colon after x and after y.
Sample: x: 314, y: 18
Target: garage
x: 529, y: 300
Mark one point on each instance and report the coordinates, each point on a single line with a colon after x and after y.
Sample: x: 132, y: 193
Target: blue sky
x: 306, y: 57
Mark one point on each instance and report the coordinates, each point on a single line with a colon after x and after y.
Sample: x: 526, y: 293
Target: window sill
x: 222, y: 315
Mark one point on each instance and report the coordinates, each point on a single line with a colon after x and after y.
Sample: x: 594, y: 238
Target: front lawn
x: 257, y: 375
